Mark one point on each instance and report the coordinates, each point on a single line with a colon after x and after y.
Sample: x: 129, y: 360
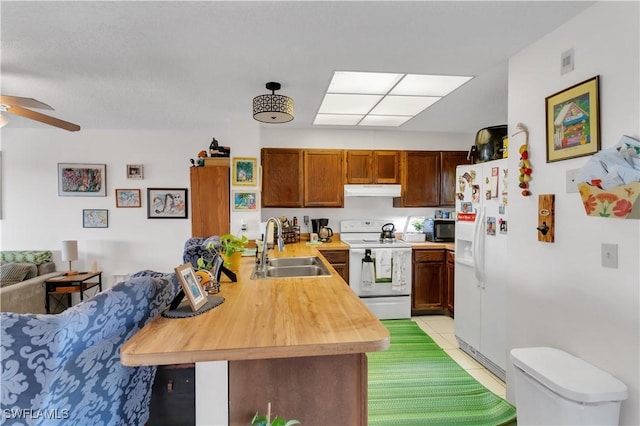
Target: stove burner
x: 387, y: 240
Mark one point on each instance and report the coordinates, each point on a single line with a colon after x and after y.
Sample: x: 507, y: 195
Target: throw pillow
x: 11, y: 273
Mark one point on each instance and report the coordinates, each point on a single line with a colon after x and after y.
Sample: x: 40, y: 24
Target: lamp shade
x: 69, y: 250
x: 272, y: 108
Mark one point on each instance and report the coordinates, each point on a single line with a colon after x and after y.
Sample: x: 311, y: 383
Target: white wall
x: 35, y: 217
x: 558, y: 294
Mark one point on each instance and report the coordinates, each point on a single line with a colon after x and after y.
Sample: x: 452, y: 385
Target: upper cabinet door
x: 386, y: 166
x: 421, y: 179
x: 282, y: 177
x: 323, y: 178
x: 365, y: 166
x: 448, y: 163
x: 359, y: 166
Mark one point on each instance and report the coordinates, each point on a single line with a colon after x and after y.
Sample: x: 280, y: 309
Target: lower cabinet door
x: 173, y: 398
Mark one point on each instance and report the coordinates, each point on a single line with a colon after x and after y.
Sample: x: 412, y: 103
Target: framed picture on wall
x: 128, y: 198
x: 573, y: 121
x: 245, y: 201
x: 244, y: 171
x: 167, y: 203
x: 82, y: 180
x: 135, y: 171
x: 95, y: 218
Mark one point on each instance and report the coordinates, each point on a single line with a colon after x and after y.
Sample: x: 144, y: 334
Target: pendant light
x: 272, y: 108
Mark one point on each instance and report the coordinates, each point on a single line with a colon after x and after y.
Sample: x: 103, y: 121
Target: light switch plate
x: 572, y: 182
x: 609, y: 253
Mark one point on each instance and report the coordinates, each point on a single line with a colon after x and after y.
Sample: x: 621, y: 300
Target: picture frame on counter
x: 573, y: 121
x: 244, y: 201
x: 167, y: 203
x: 126, y: 198
x: 244, y: 171
x: 95, y: 218
x: 82, y: 180
x: 192, y: 289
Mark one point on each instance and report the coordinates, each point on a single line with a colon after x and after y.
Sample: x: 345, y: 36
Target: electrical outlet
x: 572, y: 180
x: 609, y: 253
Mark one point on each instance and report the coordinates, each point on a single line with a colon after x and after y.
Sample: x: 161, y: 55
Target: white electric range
x: 388, y: 292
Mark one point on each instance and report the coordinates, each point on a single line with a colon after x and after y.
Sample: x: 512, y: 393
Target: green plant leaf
x: 258, y: 419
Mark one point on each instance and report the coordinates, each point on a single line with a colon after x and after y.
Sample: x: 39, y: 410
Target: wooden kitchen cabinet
x: 282, y: 177
x: 365, y: 166
x: 448, y: 162
x: 323, y: 174
x: 450, y: 272
x: 339, y: 259
x: 420, y: 179
x: 302, y: 178
x: 210, y: 213
x: 428, y: 292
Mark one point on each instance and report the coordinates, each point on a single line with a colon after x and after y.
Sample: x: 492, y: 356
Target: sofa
x: 65, y: 368
x: 22, y: 277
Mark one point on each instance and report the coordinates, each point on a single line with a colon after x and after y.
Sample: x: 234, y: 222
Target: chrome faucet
x: 263, y: 260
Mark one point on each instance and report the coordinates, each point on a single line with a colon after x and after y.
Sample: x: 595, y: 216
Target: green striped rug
x: 415, y: 382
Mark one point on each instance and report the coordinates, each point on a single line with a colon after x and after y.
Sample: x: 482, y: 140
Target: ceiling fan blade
x: 23, y: 102
x: 23, y: 112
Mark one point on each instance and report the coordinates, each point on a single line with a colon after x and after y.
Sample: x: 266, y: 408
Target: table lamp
x: 69, y: 254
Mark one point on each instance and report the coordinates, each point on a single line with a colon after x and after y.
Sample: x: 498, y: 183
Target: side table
x: 68, y: 284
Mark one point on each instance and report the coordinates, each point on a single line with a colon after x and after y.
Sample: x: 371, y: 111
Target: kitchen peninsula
x: 299, y: 343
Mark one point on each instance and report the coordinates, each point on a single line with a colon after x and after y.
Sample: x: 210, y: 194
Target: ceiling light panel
x: 337, y: 119
x: 385, y: 120
x: 404, y: 105
x: 363, y: 82
x: 428, y: 85
x: 348, y: 104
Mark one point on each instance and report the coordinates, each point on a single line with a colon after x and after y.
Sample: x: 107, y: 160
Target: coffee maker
x: 316, y: 224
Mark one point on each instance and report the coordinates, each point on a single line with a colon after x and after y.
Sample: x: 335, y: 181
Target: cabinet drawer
x: 428, y: 255
x: 336, y: 256
x: 451, y: 256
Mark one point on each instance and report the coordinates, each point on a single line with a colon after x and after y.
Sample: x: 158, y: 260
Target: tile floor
x: 440, y: 328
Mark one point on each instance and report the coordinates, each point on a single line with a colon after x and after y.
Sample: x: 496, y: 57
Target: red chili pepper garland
x: 525, y: 164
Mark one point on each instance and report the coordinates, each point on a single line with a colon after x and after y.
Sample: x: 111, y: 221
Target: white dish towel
x: 383, y: 264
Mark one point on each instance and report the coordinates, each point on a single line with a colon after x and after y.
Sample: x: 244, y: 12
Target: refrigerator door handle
x: 478, y: 248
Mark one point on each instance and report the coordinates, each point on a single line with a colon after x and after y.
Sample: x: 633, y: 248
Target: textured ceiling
x: 197, y: 65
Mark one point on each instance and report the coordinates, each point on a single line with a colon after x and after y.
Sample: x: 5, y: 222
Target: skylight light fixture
x: 382, y: 99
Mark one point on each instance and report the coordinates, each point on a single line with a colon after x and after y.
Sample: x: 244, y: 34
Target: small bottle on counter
x: 295, y: 221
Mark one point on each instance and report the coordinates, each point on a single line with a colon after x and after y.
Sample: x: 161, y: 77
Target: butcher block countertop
x: 265, y: 319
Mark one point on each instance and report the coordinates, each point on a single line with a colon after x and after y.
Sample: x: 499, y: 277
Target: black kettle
x: 388, y: 231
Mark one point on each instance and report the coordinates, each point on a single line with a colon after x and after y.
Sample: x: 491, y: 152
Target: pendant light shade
x: 273, y: 108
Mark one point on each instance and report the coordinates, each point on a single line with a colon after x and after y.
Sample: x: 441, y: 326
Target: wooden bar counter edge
x: 299, y: 343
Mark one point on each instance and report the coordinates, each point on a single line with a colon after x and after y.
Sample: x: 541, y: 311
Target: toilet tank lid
x: 568, y: 376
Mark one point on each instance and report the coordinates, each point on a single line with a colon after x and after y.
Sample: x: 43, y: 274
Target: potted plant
x: 232, y: 247
x: 265, y: 420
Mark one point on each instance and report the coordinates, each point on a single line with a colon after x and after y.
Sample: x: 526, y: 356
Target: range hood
x: 372, y: 190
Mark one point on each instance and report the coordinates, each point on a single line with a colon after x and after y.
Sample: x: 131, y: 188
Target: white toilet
x: 555, y: 388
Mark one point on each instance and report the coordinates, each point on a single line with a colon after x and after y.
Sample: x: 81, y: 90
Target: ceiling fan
x: 19, y: 106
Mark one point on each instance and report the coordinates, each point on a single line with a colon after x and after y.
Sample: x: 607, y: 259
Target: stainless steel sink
x: 295, y: 271
x: 294, y: 261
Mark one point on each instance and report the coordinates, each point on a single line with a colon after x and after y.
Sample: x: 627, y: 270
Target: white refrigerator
x: 480, y: 278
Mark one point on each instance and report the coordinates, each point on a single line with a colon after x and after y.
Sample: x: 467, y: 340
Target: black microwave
x: 440, y: 230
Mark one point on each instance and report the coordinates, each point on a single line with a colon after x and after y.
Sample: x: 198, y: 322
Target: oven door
x: 397, y: 283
